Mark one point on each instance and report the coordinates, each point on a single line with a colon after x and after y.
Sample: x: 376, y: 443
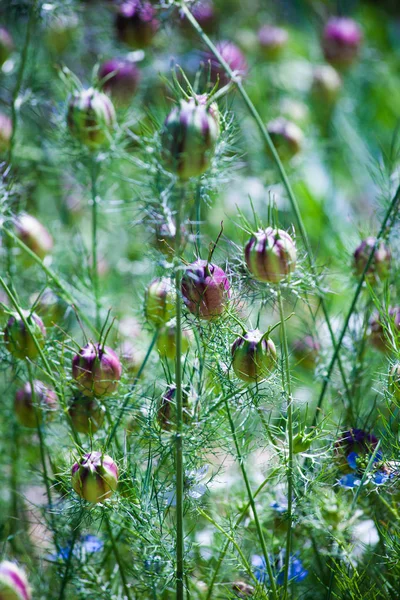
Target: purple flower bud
x: 382, y: 330
x: 166, y: 341
x: 379, y: 267
x: 131, y: 357
x: 341, y: 41
x: 6, y: 45
x: 33, y: 234
x: 91, y: 117
x: 306, y: 351
x: 120, y: 78
x: 272, y: 40
x: 353, y: 442
x: 160, y: 301
x: 95, y: 477
x: 189, y: 137
x: 326, y: 85
x: 87, y: 415
x: 5, y: 132
x: 13, y: 582
x: 18, y: 339
x: 233, y: 56
x: 270, y: 255
x: 242, y: 589
x: 204, y: 13
x: 205, y: 289
x: 286, y: 136
x: 166, y: 410
x: 29, y: 408
x: 49, y: 307
x: 97, y: 370
x: 253, y: 356
x: 136, y: 23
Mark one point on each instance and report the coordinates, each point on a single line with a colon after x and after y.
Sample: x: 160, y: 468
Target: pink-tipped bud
x: 306, y: 351
x: 166, y: 341
x: 136, y: 23
x: 233, y: 56
x: 379, y: 267
x: 341, y: 41
x: 18, y: 339
x: 253, y: 356
x: 97, y: 370
x: 204, y: 13
x: 131, y: 357
x: 30, y: 408
x: 160, y: 301
x: 286, y: 136
x: 87, y: 414
x: 5, y: 132
x: 6, y: 45
x: 119, y: 78
x: 91, y: 118
x: 272, y: 40
x: 166, y: 410
x: 384, y: 332
x: 13, y: 582
x: 205, y: 289
x: 326, y: 86
x: 95, y: 477
x: 270, y: 255
x: 33, y: 234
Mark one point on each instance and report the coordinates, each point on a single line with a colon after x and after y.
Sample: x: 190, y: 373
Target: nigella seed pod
x: 160, y: 301
x: 253, y: 356
x: 306, y: 351
x: 136, y: 23
x: 242, y: 589
x: 13, y: 582
x: 384, y: 331
x: 166, y: 341
x: 87, y: 414
x: 18, y: 339
x: 326, y: 85
x: 341, y: 41
x: 189, y: 137
x: 34, y: 235
x: 272, y: 40
x: 97, y: 370
x: 6, y: 45
x: 166, y: 409
x: 205, y: 289
x: 270, y: 255
x: 29, y: 408
x: 61, y: 32
x: 233, y: 56
x: 119, y: 78
x: 286, y: 136
x: 5, y: 132
x: 91, y: 118
x: 379, y: 267
x: 95, y: 477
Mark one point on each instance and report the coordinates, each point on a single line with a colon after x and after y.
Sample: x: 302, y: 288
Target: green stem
x: 252, y: 503
x: 69, y: 562
x: 118, y: 558
x: 198, y: 218
x: 95, y: 270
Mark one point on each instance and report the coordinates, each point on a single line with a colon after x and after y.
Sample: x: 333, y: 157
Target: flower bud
x: 382, y: 330
x: 166, y: 410
x: 302, y: 442
x: 380, y: 265
x: 61, y: 32
x: 270, y: 255
x: 341, y: 41
x: 253, y: 356
x: 204, y: 13
x: 306, y: 351
x: 160, y: 301
x: 95, y: 477
x: 13, y: 582
x: 34, y: 235
x: 189, y: 137
x: 205, y: 289
x: 286, y: 136
x: 136, y: 23
x: 97, y: 370
x: 166, y: 341
x: 87, y: 415
x: 18, y: 339
x: 91, y: 117
x: 242, y: 589
x: 272, y: 40
x: 233, y: 56
x: 120, y: 79
x: 326, y: 85
x: 131, y: 357
x: 5, y: 132
x: 49, y: 307
x: 29, y: 408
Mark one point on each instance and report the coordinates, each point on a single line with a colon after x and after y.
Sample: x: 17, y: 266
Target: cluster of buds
x: 119, y: 78
x: 270, y: 255
x: 166, y: 409
x: 136, y: 23
x: 286, y: 136
x: 166, y: 341
x: 205, y: 289
x: 87, y: 414
x: 95, y: 477
x: 13, y: 582
x: 253, y: 356
x: 33, y: 234
x: 382, y: 331
x: 234, y: 58
x: 160, y: 301
x: 341, y: 41
x: 97, y: 370
x: 91, y: 118
x: 29, y: 407
x: 379, y: 267
x: 20, y: 339
x: 272, y: 40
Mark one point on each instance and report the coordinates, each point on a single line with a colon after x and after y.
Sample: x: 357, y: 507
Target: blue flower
x: 351, y: 480
x: 296, y: 570
x: 87, y: 544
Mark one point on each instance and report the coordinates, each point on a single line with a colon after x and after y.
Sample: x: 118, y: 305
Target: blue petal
x: 352, y: 460
x: 349, y: 481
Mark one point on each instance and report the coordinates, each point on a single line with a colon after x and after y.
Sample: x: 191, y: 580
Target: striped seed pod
x: 286, y: 136
x: 166, y: 410
x: 270, y: 255
x: 87, y: 414
x: 18, y: 339
x: 253, y: 356
x: 306, y: 351
x: 272, y: 41
x: 341, y: 41
x: 97, y: 370
x: 136, y: 23
x: 33, y: 234
x: 379, y: 267
x: 91, y: 117
x: 120, y: 79
x: 29, y: 408
x: 205, y: 289
x: 95, y: 477
x: 189, y: 137
x: 13, y: 582
x: 160, y: 301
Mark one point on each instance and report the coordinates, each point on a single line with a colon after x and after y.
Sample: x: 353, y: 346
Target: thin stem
x: 118, y: 558
x: 95, y: 270
x: 179, y: 409
x: 252, y: 503
x: 289, y: 434
x: 69, y: 562
x: 198, y: 218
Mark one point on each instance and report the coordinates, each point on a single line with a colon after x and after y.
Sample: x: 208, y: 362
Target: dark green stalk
x: 95, y: 271
x: 68, y: 565
x: 118, y: 558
